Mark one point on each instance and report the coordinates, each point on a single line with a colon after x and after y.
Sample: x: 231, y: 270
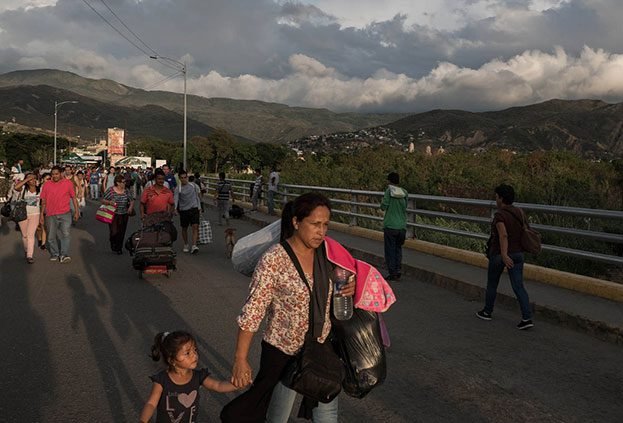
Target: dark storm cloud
x: 298, y: 54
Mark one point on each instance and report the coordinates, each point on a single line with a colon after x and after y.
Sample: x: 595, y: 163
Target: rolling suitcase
x: 154, y: 260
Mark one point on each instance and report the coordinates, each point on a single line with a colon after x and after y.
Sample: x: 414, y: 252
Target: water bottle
x: 342, y: 306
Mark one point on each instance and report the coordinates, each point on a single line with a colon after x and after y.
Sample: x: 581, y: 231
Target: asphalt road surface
x: 75, y: 339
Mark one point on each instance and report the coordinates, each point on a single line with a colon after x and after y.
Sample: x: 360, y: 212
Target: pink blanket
x: 372, y: 291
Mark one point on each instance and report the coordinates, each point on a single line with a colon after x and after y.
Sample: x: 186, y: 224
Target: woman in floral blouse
x: 278, y: 293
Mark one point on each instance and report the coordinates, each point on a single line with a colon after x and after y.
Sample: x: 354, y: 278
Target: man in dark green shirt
x: 394, y: 225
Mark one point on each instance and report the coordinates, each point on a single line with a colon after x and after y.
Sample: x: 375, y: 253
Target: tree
x: 203, y: 152
x: 223, y: 144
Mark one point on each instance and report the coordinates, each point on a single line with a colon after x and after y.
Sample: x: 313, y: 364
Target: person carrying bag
x: 278, y: 293
x: 316, y: 372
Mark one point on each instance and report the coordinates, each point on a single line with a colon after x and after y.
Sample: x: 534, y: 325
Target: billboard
x: 115, y: 141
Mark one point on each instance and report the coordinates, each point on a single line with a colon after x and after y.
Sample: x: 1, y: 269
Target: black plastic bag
x: 359, y: 344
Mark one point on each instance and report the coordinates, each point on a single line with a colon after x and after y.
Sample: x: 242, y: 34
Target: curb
x: 601, y: 330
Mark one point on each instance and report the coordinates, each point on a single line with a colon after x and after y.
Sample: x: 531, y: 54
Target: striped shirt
x: 122, y: 201
x: 223, y: 188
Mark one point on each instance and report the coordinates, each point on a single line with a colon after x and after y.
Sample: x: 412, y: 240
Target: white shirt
x: 273, y: 186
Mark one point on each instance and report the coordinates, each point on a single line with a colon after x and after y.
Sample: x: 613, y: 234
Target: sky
x: 343, y: 55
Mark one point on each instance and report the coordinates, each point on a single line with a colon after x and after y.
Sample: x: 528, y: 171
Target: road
x: 75, y: 339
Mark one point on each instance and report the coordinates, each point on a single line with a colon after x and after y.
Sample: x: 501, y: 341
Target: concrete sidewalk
x: 599, y: 317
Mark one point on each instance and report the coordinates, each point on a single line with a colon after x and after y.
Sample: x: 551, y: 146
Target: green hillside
x: 255, y: 120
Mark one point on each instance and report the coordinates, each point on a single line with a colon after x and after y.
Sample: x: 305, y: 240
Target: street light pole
x: 56, y: 106
x: 183, y: 70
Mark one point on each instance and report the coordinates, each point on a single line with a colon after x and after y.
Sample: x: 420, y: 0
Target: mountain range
x: 127, y: 106
x: 591, y: 128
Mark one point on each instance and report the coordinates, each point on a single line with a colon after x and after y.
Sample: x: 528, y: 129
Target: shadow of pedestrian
x: 112, y: 368
x: 27, y: 375
x: 138, y: 310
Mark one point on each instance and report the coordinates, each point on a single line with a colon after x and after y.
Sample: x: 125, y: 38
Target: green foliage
x: 34, y: 149
x: 554, y: 178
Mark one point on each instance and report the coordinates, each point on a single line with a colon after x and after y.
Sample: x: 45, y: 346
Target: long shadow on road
x: 132, y: 311
x: 27, y: 373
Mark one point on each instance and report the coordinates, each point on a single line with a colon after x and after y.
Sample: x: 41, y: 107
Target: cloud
x: 398, y: 54
x: 530, y: 77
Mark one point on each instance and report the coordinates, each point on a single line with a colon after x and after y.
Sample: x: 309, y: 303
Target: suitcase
x: 158, y: 235
x: 154, y: 260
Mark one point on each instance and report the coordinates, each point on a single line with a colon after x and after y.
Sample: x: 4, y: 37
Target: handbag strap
x: 522, y: 221
x: 286, y: 246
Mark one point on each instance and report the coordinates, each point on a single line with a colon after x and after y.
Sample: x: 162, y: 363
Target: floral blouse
x: 277, y: 291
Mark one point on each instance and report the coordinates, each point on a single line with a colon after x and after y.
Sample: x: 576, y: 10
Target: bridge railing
x: 431, y: 213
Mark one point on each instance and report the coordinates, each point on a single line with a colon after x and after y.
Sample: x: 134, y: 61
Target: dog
x: 230, y: 241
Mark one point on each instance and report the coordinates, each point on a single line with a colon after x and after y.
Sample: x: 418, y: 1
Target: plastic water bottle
x: 342, y: 306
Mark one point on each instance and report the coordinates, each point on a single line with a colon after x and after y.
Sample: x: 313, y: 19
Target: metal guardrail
x: 355, y: 205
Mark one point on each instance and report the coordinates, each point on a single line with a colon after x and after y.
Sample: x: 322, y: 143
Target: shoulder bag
x: 316, y: 371
x: 530, y: 239
x: 105, y: 213
x: 18, y: 208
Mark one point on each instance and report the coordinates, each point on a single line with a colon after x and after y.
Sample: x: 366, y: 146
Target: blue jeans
x: 95, y: 191
x: 496, y: 267
x: 58, y: 227
x: 281, y: 406
x: 271, y: 202
x: 394, y: 239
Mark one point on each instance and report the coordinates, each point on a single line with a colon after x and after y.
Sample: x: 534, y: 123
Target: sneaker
x: 484, y: 315
x: 186, y: 249
x: 30, y: 260
x: 525, y: 324
x: 194, y: 249
x: 65, y: 259
x: 54, y: 258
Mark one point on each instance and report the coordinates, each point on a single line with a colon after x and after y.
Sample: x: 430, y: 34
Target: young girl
x: 175, y: 392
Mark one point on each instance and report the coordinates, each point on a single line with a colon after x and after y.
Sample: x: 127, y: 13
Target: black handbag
x: 18, y: 208
x: 316, y: 371
x: 18, y: 211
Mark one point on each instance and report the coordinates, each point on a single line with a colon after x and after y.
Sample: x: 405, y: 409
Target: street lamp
x: 183, y: 70
x: 56, y: 106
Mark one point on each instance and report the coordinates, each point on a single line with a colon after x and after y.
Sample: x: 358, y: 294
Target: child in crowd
x: 175, y: 391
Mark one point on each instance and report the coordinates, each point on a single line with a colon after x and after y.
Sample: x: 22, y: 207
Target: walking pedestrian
x: 94, y: 183
x: 29, y: 192
x: 169, y: 177
x: 42, y: 234
x: 394, y: 225
x: 109, y: 179
x: 120, y: 197
x: 174, y: 394
x: 188, y: 204
x: 504, y: 252
x: 223, y: 194
x: 257, y: 189
x: 157, y: 199
x: 80, y: 187
x: 278, y: 293
x: 273, y: 186
x: 55, y: 198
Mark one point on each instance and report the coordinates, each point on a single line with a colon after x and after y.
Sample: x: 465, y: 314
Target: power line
x: 131, y: 32
x: 126, y: 27
x: 116, y: 30
x: 154, y: 85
